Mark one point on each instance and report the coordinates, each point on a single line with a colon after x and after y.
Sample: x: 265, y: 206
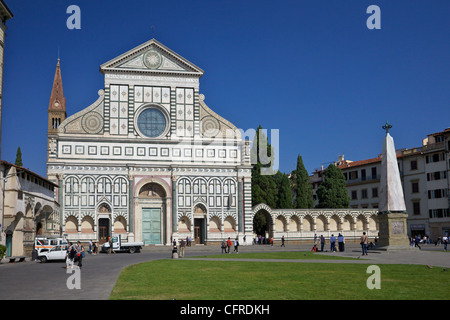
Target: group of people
x: 75, y: 253
x: 364, y: 242
x: 181, y: 249
x: 226, y: 245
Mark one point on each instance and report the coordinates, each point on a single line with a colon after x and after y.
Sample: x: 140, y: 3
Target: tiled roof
x: 6, y: 163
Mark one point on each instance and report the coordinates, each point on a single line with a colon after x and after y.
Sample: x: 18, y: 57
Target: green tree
x: 302, y: 187
x: 332, y: 192
x: 284, y: 191
x: 18, y: 157
x: 264, y: 189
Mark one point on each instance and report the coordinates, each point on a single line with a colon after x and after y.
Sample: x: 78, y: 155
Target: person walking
x: 416, y: 242
x: 333, y: 243
x: 90, y: 247
x: 182, y: 247
x: 236, y: 245
x: 282, y: 241
x: 111, y: 250
x: 224, y: 246
x: 94, y: 248
x: 229, y: 244
x: 445, y: 241
x: 80, y: 254
x: 70, y: 254
x: 364, y: 241
x: 341, y: 242
x: 322, y: 242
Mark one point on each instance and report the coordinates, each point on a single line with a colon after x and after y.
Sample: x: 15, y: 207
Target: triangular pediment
x: 151, y: 57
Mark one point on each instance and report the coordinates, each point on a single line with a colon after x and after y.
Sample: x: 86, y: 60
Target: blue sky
x: 310, y: 68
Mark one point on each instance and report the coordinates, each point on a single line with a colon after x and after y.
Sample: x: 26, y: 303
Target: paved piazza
x: 37, y: 281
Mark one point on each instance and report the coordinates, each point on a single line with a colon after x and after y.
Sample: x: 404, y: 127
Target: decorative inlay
x: 210, y: 126
x: 92, y: 122
x: 152, y: 59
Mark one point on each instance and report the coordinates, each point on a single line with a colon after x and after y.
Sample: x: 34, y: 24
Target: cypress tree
x: 18, y: 157
x: 263, y: 186
x: 332, y: 193
x: 284, y: 191
x: 302, y: 187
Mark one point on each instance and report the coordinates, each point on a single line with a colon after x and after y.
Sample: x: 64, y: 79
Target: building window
x: 374, y: 192
x: 152, y: 122
x: 364, y: 194
x: 415, y: 187
x: 354, y: 195
x: 439, y: 213
x: 416, y: 208
x: 374, y: 173
x: 413, y: 164
x: 435, y: 157
x: 438, y: 193
x: 353, y: 175
x: 363, y: 174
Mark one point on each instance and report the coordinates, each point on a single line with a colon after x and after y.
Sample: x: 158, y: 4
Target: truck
x: 119, y: 246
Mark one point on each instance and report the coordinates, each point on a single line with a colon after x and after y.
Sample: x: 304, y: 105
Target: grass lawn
x: 238, y: 280
x: 299, y: 255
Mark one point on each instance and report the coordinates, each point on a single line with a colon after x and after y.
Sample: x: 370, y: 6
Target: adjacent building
x: 424, y: 173
x: 29, y: 207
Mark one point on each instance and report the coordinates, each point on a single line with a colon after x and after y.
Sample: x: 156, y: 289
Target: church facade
x: 148, y: 160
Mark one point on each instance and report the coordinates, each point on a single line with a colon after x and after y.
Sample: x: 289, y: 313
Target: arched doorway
x: 263, y: 224
x: 104, y: 223
x: 199, y: 223
x: 152, y: 202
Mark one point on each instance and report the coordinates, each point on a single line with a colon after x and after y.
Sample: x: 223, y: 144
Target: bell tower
x: 57, y: 107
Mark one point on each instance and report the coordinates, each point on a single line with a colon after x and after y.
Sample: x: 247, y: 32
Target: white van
x: 45, y: 243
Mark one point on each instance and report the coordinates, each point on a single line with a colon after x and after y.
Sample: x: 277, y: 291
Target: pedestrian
x: 315, y: 239
x: 271, y: 241
x: 445, y: 241
x: 236, y: 245
x: 182, y: 246
x: 90, y: 247
x: 322, y: 242
x: 80, y: 254
x: 333, y: 243
x: 174, y: 250
x: 245, y: 240
x: 224, y: 246
x: 282, y: 241
x: 110, y: 242
x: 229, y: 244
x: 341, y: 242
x: 364, y: 241
x: 70, y: 256
x: 416, y: 242
x: 94, y: 248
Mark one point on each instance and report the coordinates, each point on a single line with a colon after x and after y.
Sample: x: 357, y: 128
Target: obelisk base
x: 392, y: 235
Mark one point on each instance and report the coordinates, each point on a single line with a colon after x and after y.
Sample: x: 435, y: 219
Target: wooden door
x: 103, y: 230
x: 151, y: 225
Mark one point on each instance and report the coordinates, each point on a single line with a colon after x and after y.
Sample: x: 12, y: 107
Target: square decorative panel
x: 153, y: 151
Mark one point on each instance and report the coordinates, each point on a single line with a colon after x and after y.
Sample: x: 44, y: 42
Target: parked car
x: 55, y: 253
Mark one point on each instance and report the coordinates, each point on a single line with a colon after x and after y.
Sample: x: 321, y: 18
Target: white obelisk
x: 392, y: 210
x: 391, y: 191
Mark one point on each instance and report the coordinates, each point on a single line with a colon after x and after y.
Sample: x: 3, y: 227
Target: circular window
x: 152, y: 122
